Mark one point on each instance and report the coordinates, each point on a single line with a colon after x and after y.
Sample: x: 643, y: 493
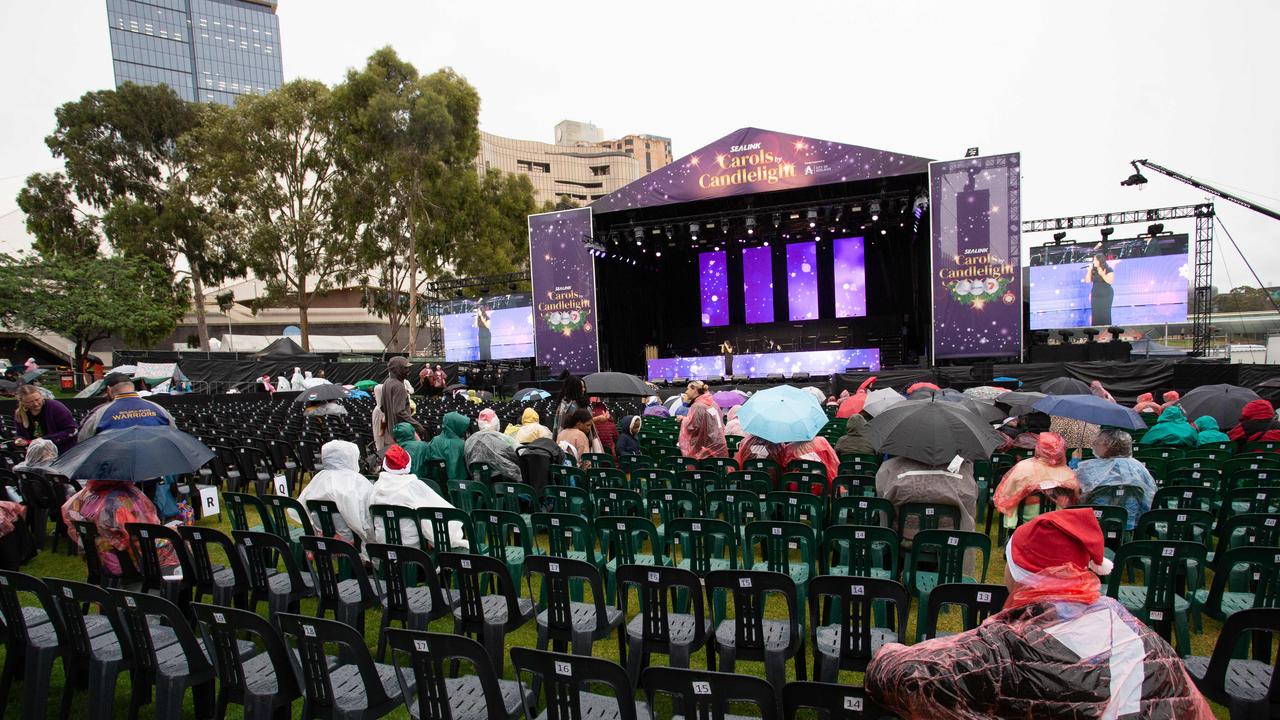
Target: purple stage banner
x: 564, y: 291
x: 692, y: 368
x: 751, y: 160
x: 975, y: 209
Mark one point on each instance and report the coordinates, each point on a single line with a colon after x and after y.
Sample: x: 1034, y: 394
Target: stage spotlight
x: 1058, y: 237
x: 657, y: 253
x: 639, y: 233
x: 766, y: 243
x: 1155, y: 229
x: 724, y: 225
x: 884, y: 232
x: 813, y: 217
x: 717, y: 248
x: 751, y: 226
x: 669, y: 231
x: 875, y: 210
x: 777, y: 220
x: 693, y: 230
x: 838, y: 213
x: 1135, y: 179
x: 1107, y: 232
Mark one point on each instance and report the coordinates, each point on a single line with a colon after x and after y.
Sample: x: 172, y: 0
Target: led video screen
x: 802, y: 281
x: 692, y: 368
x: 496, y: 328
x: 757, y: 284
x: 1139, y: 281
x: 713, y: 279
x: 850, y: 277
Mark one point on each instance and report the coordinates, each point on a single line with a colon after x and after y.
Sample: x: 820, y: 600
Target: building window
x: 629, y: 142
x: 648, y: 163
x: 530, y: 166
x: 599, y: 170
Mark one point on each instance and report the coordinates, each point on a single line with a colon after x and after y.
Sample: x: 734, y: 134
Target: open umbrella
x: 531, y: 395
x: 985, y: 392
x: 366, y: 385
x: 322, y: 393
x: 986, y: 411
x: 880, y: 400
x: 1065, y: 386
x: 782, y: 414
x: 615, y: 383
x: 31, y: 376
x: 932, y: 432
x: 8, y: 386
x: 1220, y: 402
x: 729, y: 398
x: 134, y: 454
x: 1090, y: 409
x: 1019, y: 403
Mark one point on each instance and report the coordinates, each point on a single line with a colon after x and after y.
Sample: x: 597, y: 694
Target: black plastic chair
x: 830, y: 701
x: 228, y: 585
x: 165, y: 655
x: 979, y: 601
x: 854, y: 638
x: 147, y: 538
x: 703, y: 694
x: 40, y: 496
x: 327, y: 518
x: 259, y: 679
x: 562, y: 679
x: 563, y: 622
x: 1248, y: 688
x: 411, y: 593
x: 351, y: 688
x: 87, y: 532
x: 93, y: 657
x: 489, y: 617
x: 432, y: 694
x: 661, y: 626
x: 347, y: 599
x: 282, y: 591
x: 749, y: 635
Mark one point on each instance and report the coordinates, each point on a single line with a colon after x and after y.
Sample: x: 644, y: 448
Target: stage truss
x: 439, y: 292
x: 1202, y: 300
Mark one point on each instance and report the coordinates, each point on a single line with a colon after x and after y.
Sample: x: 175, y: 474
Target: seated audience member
x: 397, y: 486
x: 111, y: 505
x: 531, y: 428
x: 606, y: 428
x: 39, y: 417
x: 853, y: 442
x: 701, y: 432
x: 340, y: 480
x: 1257, y: 424
x: 1098, y: 391
x: 902, y: 480
x: 419, y: 451
x: 817, y: 449
x: 1147, y: 404
x: 1171, y: 429
x: 450, y: 445
x: 628, y: 444
x: 125, y: 409
x: 1113, y: 464
x: 487, y: 445
x: 1059, y: 649
x: 575, y: 432
x: 1207, y: 432
x: 1171, y: 398
x: 1046, y: 472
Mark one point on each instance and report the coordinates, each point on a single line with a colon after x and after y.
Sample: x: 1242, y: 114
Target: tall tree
x: 89, y: 298
x: 127, y: 156
x: 61, y: 226
x: 274, y: 160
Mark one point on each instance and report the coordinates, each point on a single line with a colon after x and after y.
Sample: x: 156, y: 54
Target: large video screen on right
x: 1138, y: 281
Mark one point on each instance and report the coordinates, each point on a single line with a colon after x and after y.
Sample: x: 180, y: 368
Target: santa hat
x: 1257, y: 410
x: 1057, y: 538
x: 396, y: 461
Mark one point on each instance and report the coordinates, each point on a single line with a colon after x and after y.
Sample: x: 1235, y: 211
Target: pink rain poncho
x: 816, y: 449
x: 1058, y: 650
x: 702, y: 432
x: 1046, y: 472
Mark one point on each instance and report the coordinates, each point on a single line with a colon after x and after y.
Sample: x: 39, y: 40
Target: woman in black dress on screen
x: 1100, y: 298
x: 485, y: 335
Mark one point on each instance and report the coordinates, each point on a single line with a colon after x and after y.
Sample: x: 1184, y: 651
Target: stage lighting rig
x: 751, y: 226
x: 669, y: 231
x: 812, y: 215
x: 1155, y: 229
x: 777, y: 220
x: 1107, y: 232
x: 724, y: 225
x: 693, y: 231
x: 639, y: 233
x: 875, y: 210
x: 1058, y: 237
x: 837, y: 213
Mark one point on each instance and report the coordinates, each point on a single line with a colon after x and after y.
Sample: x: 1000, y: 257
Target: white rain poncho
x: 340, y: 481
x: 406, y: 490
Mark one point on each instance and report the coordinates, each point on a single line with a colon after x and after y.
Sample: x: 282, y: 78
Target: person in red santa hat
x: 1257, y: 424
x: 1059, y: 649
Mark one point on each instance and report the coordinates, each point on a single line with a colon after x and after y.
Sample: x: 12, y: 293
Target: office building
x: 206, y: 50
x: 651, y: 151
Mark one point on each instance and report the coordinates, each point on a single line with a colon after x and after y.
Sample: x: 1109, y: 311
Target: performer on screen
x: 1100, y: 298
x: 486, y: 337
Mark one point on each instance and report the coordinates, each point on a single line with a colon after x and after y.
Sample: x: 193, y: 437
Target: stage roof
x: 751, y: 160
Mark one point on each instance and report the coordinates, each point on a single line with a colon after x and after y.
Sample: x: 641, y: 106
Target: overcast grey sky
x: 1079, y: 88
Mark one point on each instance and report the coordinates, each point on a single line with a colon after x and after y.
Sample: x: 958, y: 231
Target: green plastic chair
x: 724, y: 466
x: 805, y: 482
x: 568, y: 535
x: 1211, y: 478
x: 598, y: 477
x: 769, y: 544
x: 698, y: 481
x: 279, y: 506
x: 1159, y: 453
x: 853, y: 484
x: 239, y: 506
x: 947, y: 548
x: 469, y: 495
x: 677, y: 463
x: 701, y: 545
x: 812, y: 467
x: 440, y: 519
x: 860, y: 550
x: 599, y: 460
x: 1262, y: 565
x: 1158, y: 602
x: 929, y: 516
x: 756, y: 481
x: 515, y: 497
x: 1186, y: 497
x: 796, y: 507
x: 568, y: 499
x: 504, y: 536
x: 1261, y: 447
x: 738, y: 508
x: 1113, y: 520
x: 1260, y: 477
x: 628, y: 462
x: 618, y: 501
x: 1250, y: 461
x: 765, y: 465
x: 567, y: 475
x: 733, y: 441
x: 436, y: 471
x: 481, y: 472
x: 622, y: 541
x: 671, y: 504
x: 663, y: 451
x: 645, y: 479
x: 862, y: 511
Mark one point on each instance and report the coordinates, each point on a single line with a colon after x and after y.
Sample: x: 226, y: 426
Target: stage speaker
x: 542, y: 372
x: 775, y: 377
x: 679, y: 381
x: 714, y: 380
x: 800, y: 376
x: 741, y: 378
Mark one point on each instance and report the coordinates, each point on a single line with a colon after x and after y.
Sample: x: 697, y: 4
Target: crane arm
x: 1137, y: 179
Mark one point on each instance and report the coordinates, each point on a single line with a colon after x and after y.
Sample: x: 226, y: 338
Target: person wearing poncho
x: 1059, y: 649
x: 531, y: 428
x: 1257, y: 424
x: 1171, y: 429
x: 1146, y: 404
x: 397, y: 486
x: 1113, y: 464
x: 853, y: 442
x: 340, y: 480
x: 1045, y: 472
x: 449, y: 445
x: 1207, y: 432
x: 702, y: 432
x: 628, y: 444
x: 492, y: 447
x: 111, y: 505
x: 418, y: 450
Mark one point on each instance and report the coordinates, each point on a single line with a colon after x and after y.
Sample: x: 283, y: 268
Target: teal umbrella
x: 782, y: 414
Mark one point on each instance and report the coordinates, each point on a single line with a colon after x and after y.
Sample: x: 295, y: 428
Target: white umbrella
x: 880, y: 400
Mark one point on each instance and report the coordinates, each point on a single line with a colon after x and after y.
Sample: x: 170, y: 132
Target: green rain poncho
x: 1171, y: 429
x: 1209, y: 433
x: 418, y: 450
x: 450, y: 446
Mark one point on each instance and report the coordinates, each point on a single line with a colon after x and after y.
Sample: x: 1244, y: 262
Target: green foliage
x: 61, y: 228
x: 1244, y: 299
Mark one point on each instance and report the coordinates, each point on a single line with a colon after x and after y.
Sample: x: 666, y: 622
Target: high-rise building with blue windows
x: 206, y: 50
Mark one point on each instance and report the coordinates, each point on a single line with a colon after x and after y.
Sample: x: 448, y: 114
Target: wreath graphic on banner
x: 568, y: 320
x: 979, y: 291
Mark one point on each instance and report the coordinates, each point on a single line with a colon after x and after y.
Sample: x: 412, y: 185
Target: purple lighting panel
x: 757, y: 284
x: 850, y: 277
x: 714, y: 279
x: 802, y: 281
x: 694, y: 368
x: 816, y: 362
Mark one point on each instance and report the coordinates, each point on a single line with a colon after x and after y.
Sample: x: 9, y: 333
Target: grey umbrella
x: 322, y: 393
x: 932, y: 432
x: 1019, y: 402
x: 1065, y: 386
x: 133, y: 454
x: 984, y: 410
x: 615, y: 383
x: 1220, y: 402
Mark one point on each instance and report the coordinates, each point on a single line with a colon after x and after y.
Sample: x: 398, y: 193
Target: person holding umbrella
x: 782, y: 424
x: 701, y: 431
x: 125, y: 409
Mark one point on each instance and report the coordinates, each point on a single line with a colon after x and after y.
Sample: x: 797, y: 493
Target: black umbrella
x: 8, y: 386
x: 1019, y: 403
x: 1220, y: 402
x: 986, y: 411
x: 615, y: 383
x: 1065, y: 386
x: 137, y: 453
x: 322, y: 393
x: 932, y: 433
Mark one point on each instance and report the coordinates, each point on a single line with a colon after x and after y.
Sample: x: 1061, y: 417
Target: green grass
x: 60, y: 565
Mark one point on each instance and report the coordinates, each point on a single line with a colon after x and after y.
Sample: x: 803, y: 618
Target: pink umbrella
x: 728, y: 398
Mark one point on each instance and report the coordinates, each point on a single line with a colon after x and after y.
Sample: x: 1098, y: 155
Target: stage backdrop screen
x: 815, y: 362
x: 757, y: 284
x: 692, y: 368
x: 850, y: 277
x: 494, y: 328
x: 713, y: 277
x: 1139, y: 281
x: 564, y: 291
x: 802, y: 281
